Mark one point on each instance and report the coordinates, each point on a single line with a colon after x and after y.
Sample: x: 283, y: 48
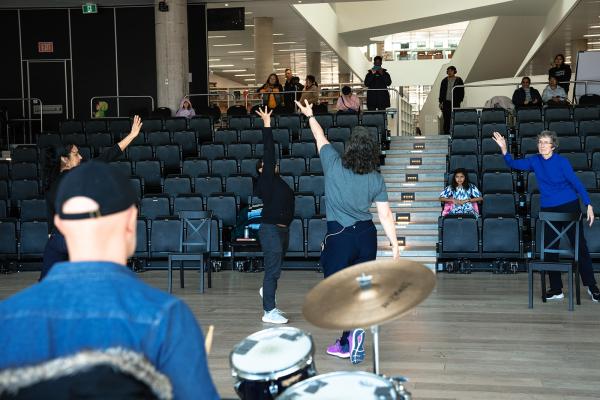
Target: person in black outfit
x: 447, y: 95
x: 277, y: 214
x: 561, y: 71
x: 378, y: 78
x: 292, y: 84
x: 526, y: 96
x: 58, y: 163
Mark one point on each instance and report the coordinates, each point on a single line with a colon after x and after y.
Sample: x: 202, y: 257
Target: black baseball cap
x: 106, y: 185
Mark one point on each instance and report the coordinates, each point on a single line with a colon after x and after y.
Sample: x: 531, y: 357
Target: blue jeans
x: 274, y: 244
x: 54, y: 252
x: 344, y: 247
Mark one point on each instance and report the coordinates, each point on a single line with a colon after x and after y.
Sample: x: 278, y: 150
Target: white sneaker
x: 275, y: 316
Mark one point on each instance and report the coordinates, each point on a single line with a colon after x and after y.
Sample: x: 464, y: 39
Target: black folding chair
x: 194, y: 244
x: 567, y: 220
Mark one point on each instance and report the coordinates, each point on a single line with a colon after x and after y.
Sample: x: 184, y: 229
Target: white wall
x: 413, y: 72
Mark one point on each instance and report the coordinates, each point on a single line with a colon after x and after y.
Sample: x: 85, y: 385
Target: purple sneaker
x: 357, y: 348
x: 338, y: 350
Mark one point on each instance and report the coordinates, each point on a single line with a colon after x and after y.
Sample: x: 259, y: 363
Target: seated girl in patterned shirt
x: 461, y: 197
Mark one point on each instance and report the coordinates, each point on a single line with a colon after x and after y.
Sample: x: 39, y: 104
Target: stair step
x: 415, y: 153
x: 438, y: 185
x: 421, y: 194
x: 417, y: 139
x: 405, y: 160
x: 438, y: 167
x: 417, y: 204
x: 422, y: 176
x: 419, y: 217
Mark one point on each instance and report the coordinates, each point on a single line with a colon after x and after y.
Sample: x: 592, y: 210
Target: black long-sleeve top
x: 108, y: 155
x: 277, y: 196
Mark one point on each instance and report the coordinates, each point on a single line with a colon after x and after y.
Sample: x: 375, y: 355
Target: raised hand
x: 305, y: 109
x: 500, y: 141
x: 265, y: 115
x: 137, y: 125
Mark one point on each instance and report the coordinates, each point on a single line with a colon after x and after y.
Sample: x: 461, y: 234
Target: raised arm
x: 268, y: 143
x: 523, y: 164
x: 135, y: 131
x: 386, y: 217
x: 315, y: 128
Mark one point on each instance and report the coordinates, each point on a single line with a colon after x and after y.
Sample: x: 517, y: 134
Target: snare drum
x: 347, y: 386
x: 269, y: 361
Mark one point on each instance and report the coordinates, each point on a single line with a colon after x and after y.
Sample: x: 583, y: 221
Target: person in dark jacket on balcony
x: 526, y: 96
x: 378, y: 78
x: 447, y: 95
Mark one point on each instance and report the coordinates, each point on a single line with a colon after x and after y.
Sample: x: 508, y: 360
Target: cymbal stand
x: 375, y: 333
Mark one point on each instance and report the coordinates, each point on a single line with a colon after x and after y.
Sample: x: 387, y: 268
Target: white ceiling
x: 585, y: 15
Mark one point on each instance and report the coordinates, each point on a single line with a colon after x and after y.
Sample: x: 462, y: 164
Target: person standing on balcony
x: 447, y: 95
x: 378, y: 78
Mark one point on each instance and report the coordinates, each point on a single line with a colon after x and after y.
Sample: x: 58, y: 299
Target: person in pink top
x: 348, y: 102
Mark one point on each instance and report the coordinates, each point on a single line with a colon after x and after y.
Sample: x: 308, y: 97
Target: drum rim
x: 289, y: 391
x: 304, y: 362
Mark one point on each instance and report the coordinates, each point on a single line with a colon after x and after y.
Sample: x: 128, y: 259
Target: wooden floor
x: 473, y: 338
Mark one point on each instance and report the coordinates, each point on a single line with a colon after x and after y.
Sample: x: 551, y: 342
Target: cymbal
x: 368, y: 294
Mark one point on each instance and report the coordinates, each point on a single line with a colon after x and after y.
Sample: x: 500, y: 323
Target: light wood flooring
x: 473, y: 338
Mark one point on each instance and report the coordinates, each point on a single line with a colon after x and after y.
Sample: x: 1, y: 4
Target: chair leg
x: 170, y: 273
x: 577, y: 284
x: 570, y: 282
x: 530, y: 284
x: 201, y: 274
x: 181, y: 281
x: 543, y: 275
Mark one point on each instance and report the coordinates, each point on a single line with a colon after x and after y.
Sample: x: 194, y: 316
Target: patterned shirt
x: 461, y: 194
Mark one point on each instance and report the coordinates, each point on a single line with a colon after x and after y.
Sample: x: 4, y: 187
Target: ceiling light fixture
x: 221, y: 66
x: 278, y: 34
x: 240, y: 75
x: 247, y: 58
x: 227, y: 45
x: 250, y: 80
x: 285, y: 42
x: 217, y: 36
x: 292, y: 50
x: 248, y: 12
x: 240, y: 51
x: 591, y: 43
x: 249, y: 26
x: 595, y: 27
x: 592, y: 35
x: 214, y: 59
x: 234, y: 70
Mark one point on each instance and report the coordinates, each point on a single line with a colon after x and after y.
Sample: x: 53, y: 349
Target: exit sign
x: 89, y: 8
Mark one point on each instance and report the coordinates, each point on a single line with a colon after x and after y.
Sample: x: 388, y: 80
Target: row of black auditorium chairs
x: 562, y: 128
x: 223, y: 167
x: 224, y: 205
x: 119, y: 126
x: 580, y: 161
x: 527, y: 129
x: 25, y: 210
x: 240, y: 184
x: 527, y: 114
x: 589, y: 180
x: 296, y: 122
x: 491, y: 182
x: 159, y: 237
x: 526, y: 145
x: 483, y: 238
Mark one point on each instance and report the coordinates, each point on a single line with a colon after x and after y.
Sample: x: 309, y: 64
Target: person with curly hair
x: 352, y: 184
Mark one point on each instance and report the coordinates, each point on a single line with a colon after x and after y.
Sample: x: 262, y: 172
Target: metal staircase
x: 414, y: 175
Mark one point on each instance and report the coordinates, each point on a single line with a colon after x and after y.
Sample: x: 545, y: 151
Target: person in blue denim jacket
x: 93, y: 301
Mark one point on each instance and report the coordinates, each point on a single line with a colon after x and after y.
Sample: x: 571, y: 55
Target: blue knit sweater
x: 555, y: 177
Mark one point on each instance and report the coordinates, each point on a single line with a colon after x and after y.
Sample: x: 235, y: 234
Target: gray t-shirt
x: 349, y: 195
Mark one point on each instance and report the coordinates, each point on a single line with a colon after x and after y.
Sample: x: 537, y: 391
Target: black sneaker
x: 594, y: 293
x: 555, y: 294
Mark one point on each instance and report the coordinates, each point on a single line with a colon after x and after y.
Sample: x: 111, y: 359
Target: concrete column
x: 313, y: 65
x: 263, y: 48
x: 172, y: 65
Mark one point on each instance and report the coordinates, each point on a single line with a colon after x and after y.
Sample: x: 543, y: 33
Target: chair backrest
x: 195, y: 235
x: 569, y: 220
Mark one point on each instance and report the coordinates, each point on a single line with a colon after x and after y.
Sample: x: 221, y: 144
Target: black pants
x: 55, y: 251
x: 274, y: 244
x: 344, y: 247
x: 447, y: 113
x: 585, y: 261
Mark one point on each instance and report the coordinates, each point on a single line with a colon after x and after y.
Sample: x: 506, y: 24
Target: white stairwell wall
x: 420, y: 233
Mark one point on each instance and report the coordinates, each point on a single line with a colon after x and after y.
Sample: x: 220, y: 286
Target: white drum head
x: 271, y: 352
x: 342, y: 385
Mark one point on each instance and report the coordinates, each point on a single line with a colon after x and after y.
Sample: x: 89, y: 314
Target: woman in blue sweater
x: 559, y: 190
